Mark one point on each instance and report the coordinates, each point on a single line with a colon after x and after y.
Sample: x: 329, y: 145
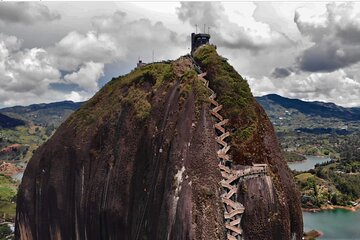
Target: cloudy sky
x: 57, y: 51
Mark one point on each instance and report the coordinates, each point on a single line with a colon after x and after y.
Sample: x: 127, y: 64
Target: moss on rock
x: 233, y: 92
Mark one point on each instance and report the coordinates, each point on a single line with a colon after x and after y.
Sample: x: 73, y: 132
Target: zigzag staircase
x: 233, y: 210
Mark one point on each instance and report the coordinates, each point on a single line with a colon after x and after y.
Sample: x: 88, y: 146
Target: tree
x: 334, y: 199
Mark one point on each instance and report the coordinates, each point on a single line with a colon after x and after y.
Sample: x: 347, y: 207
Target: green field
x: 8, y: 189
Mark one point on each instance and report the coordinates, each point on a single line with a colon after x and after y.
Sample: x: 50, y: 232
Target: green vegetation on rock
x: 233, y: 93
x: 232, y: 90
x: 133, y: 89
x: 190, y: 83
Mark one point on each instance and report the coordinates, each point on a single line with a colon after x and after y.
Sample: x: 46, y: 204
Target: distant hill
x: 273, y: 102
x: 9, y: 122
x: 44, y: 114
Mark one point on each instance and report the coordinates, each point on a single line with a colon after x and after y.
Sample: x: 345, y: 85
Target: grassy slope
x: 124, y: 90
x: 8, y: 189
x: 135, y: 90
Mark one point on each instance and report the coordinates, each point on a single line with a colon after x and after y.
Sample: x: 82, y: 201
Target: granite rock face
x: 138, y: 161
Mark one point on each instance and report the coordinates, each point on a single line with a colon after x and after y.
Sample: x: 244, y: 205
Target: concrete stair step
x: 224, y: 135
x: 218, y: 116
x: 225, y: 184
x: 224, y: 156
x: 233, y: 213
x: 234, y: 205
x: 213, y: 101
x: 234, y: 229
x: 229, y: 194
x: 224, y: 168
x: 224, y: 150
x: 217, y: 108
x: 230, y: 237
x: 235, y: 222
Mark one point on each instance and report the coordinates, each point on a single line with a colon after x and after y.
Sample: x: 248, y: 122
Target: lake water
x: 308, y: 164
x: 335, y: 224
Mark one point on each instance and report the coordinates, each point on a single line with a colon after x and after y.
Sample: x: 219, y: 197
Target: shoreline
x: 306, y: 159
x: 331, y: 207
x: 312, y: 234
x: 300, y: 161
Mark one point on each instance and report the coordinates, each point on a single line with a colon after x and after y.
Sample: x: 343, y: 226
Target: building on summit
x: 198, y: 39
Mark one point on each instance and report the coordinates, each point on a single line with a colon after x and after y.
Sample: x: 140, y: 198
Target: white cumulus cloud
x: 335, y: 87
x: 335, y: 33
x: 87, y: 76
x: 27, y: 75
x: 75, y: 49
x: 26, y: 13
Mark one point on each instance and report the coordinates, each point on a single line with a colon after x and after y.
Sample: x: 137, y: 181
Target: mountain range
x: 44, y: 114
x: 272, y: 103
x: 9, y: 122
x: 275, y: 105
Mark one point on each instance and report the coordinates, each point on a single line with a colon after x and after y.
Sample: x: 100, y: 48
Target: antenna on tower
x: 204, y: 28
x: 196, y: 28
x: 208, y: 30
x: 153, y: 55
